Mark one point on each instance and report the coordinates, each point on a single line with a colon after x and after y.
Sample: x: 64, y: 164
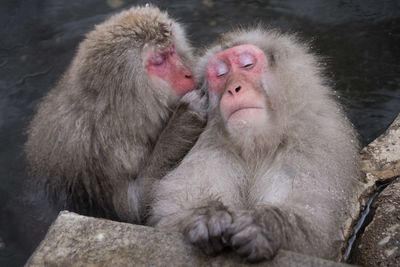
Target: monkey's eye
x: 157, y: 59
x: 246, y: 60
x: 221, y: 68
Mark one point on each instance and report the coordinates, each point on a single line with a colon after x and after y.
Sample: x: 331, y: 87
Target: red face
x: 235, y: 75
x: 168, y: 66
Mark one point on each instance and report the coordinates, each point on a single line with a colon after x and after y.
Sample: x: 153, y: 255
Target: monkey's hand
x: 197, y: 102
x: 178, y: 137
x: 206, y: 228
x: 249, y: 238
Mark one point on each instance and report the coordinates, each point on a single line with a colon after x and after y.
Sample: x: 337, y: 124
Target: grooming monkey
x: 97, y: 130
x: 277, y: 162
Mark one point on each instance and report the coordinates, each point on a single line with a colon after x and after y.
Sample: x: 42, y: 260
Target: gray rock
x: 380, y: 162
x: 75, y: 240
x: 380, y: 243
x: 381, y: 158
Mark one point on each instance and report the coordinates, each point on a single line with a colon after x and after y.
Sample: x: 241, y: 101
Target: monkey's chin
x: 247, y: 119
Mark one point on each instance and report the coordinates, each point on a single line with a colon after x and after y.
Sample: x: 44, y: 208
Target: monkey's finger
x: 215, y: 233
x: 198, y: 233
x: 246, y: 249
x: 239, y: 224
x: 262, y: 249
x: 257, y: 248
x: 218, y: 223
x: 244, y: 236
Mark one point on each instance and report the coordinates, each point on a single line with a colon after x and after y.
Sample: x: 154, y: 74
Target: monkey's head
x: 140, y: 54
x: 260, y: 86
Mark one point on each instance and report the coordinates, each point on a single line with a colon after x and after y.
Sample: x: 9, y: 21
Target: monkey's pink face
x: 235, y: 75
x: 168, y: 66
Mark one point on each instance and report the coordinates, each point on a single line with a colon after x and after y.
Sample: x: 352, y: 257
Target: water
x: 359, y: 39
x: 366, y: 216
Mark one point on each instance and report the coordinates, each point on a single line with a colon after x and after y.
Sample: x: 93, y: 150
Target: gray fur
x: 288, y: 187
x: 95, y: 131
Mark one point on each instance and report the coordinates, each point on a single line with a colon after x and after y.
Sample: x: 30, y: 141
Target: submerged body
x: 277, y: 164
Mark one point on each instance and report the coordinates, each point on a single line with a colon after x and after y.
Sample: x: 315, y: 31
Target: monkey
x: 277, y: 161
x: 110, y: 119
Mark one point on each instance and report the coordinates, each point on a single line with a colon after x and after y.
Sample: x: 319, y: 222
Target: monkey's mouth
x: 242, y: 108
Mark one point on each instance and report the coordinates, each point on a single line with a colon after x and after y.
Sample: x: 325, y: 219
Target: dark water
x: 365, y: 218
x: 360, y: 40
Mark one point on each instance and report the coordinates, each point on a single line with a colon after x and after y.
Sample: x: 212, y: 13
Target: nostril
x: 237, y: 89
x: 188, y: 76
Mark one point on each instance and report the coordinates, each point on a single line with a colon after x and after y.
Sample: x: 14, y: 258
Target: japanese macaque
x: 110, y: 119
x: 277, y: 162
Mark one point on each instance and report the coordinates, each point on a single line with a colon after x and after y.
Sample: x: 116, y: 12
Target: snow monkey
x: 277, y: 162
x: 111, y: 117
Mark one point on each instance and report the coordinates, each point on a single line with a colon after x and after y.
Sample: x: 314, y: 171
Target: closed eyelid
x: 221, y: 68
x: 158, y: 59
x: 246, y: 59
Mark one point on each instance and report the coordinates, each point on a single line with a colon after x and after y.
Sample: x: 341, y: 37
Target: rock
x: 75, y: 240
x: 380, y: 243
x: 380, y: 162
x: 381, y: 158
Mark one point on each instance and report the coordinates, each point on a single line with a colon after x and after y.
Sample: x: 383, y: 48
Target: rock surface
x: 380, y: 243
x: 381, y: 158
x: 380, y: 162
x: 75, y: 240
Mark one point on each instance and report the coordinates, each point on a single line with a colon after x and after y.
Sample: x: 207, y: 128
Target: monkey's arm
x: 194, y: 200
x: 175, y: 141
x: 178, y: 137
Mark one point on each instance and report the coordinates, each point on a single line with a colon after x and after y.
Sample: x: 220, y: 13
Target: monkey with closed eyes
x: 123, y: 111
x: 277, y: 163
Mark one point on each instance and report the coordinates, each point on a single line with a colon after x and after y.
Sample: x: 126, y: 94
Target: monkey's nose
x: 235, y: 90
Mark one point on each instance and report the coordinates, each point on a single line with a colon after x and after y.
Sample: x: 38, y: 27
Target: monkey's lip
x: 240, y: 108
